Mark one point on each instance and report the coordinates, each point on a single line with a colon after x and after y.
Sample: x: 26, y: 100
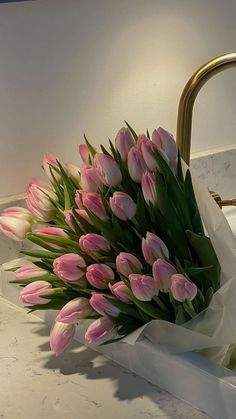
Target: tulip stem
x: 161, y: 304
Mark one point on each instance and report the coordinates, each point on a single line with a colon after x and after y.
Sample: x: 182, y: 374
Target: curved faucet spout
x: 195, y: 83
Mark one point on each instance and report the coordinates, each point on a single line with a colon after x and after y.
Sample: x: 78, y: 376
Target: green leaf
x: 181, y: 315
x: 141, y: 215
x: 42, y: 243
x: 88, y: 227
x: 90, y: 147
x: 150, y: 310
x: 61, y: 241
x: 49, y: 278
x: 135, y: 136
x: 124, y: 308
x: 192, y: 204
x: 180, y: 175
x: 41, y: 254
x: 208, y: 297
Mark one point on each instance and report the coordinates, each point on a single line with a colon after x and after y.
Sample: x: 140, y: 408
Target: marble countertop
x: 80, y: 384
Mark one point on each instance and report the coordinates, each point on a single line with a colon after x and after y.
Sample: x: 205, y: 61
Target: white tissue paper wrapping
x: 213, y: 328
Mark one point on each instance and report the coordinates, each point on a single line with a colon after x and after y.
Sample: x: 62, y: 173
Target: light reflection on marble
x: 79, y: 384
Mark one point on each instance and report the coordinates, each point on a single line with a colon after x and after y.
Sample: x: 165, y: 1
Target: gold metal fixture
x: 185, y: 111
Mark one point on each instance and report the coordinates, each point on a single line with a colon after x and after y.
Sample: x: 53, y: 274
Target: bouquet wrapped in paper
x: 129, y: 243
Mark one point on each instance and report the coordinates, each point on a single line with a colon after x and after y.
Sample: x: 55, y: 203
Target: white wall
x: 86, y: 65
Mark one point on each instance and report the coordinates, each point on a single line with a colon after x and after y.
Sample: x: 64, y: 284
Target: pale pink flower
x: 15, y: 228
x: 123, y: 206
x: 100, y: 331
x: 50, y: 161
x: 149, y: 188
x: 182, y: 289
x: 74, y: 310
x: 144, y: 287
x: 39, y: 200
x: 124, y: 141
x: 121, y: 291
x: 33, y: 292
x: 61, y: 336
x: 153, y: 248
x: 29, y: 271
x: 162, y: 272
x: 108, y: 169
x: 102, y: 306
x: 127, y: 263
x: 70, y: 268
x: 89, y: 178
x: 136, y: 164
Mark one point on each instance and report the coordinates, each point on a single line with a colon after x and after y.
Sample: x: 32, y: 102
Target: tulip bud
x: 70, y: 268
x: 124, y: 141
x: 162, y: 272
x: 102, y: 306
x: 33, y: 292
x: 136, y: 164
x: 108, y: 169
x: 123, y: 206
x: 93, y: 202
x: 73, y: 173
x: 121, y: 291
x: 18, y: 212
x: 15, y: 228
x: 153, y: 248
x: 78, y: 308
x: 69, y: 214
x: 39, y: 200
x: 144, y: 287
x: 51, y: 231
x: 165, y: 143
x: 92, y: 244
x: 79, y: 198
x: 89, y: 178
x: 100, y: 331
x: 149, y: 188
x: 29, y: 271
x: 126, y: 264
x: 99, y: 275
x: 84, y: 153
x: 142, y: 139
x: 61, y: 336
x: 50, y: 162
x: 182, y: 289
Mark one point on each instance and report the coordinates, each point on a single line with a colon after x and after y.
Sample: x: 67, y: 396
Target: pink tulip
x: 182, y: 289
x: 99, y: 275
x: 39, y: 200
x: 136, y: 164
x: 165, y: 143
x: 100, y: 331
x: 123, y: 206
x: 162, y: 272
x: 18, y: 212
x: 121, y: 291
x: 144, y: 287
x: 92, y: 244
x: 102, y: 306
x: 78, y: 308
x: 84, y: 153
x: 50, y: 161
x: 89, y: 178
x: 149, y: 188
x: 70, y: 268
x: 51, y: 231
x: 153, y: 248
x: 32, y: 293
x: 79, y: 195
x: 61, y: 336
x: 73, y: 173
x: 124, y: 141
x: 127, y: 264
x: 141, y: 140
x: 29, y: 271
x: 14, y: 228
x: 108, y: 169
x: 93, y: 202
x: 147, y: 150
x: 69, y: 214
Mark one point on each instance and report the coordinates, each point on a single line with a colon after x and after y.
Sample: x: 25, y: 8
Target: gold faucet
x: 185, y: 111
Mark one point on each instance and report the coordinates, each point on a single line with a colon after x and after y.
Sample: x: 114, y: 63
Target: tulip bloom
x: 39, y: 200
x: 165, y: 143
x: 61, y: 336
x: 29, y: 271
x: 153, y: 248
x: 18, y: 212
x: 15, y: 228
x: 70, y: 268
x: 108, y: 169
x: 78, y: 308
x: 51, y: 231
x: 147, y: 149
x: 101, y: 305
x: 92, y: 244
x: 123, y: 206
x: 99, y: 275
x: 162, y: 272
x: 182, y: 289
x: 100, y: 331
x: 121, y: 291
x: 84, y: 153
x: 142, y: 139
x: 124, y: 142
x: 149, y: 188
x: 73, y: 173
x: 89, y: 178
x: 127, y: 263
x: 32, y: 293
x: 50, y: 162
x: 144, y: 287
x: 93, y: 202
x: 136, y: 164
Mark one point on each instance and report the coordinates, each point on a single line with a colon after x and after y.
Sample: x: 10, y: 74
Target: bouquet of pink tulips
x: 119, y: 240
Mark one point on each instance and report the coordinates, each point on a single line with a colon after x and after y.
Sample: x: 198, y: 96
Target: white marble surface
x: 79, y: 384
